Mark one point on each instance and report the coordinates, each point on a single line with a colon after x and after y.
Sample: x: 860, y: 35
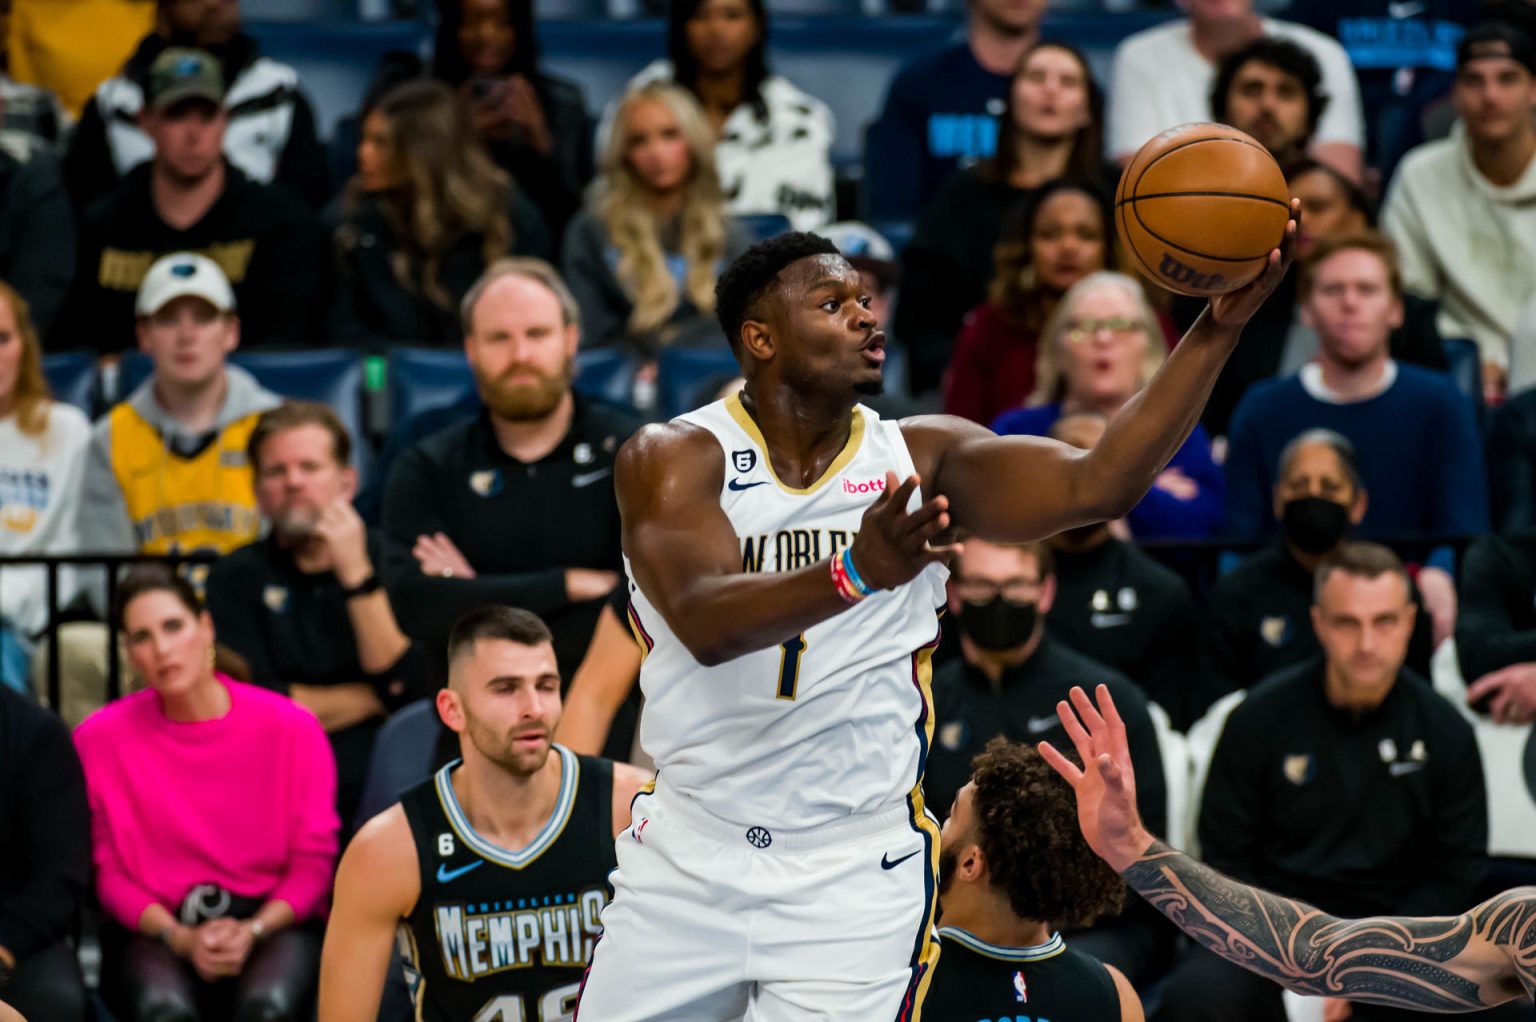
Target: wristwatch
x: 257, y: 931
x: 371, y: 584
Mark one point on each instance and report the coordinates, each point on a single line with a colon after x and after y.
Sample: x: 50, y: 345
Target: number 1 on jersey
x: 789, y: 665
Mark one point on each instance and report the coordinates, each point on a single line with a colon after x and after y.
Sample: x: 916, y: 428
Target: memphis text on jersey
x: 479, y: 939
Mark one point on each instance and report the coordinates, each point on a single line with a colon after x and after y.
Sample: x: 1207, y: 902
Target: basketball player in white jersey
x: 787, y: 547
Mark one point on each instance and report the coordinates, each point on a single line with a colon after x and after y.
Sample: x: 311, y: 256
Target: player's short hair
x: 1284, y: 56
x: 1360, y: 560
x: 292, y: 415
x: 510, y: 624
x: 1323, y: 249
x: 1337, y: 442
x: 1026, y: 825
x: 747, y: 280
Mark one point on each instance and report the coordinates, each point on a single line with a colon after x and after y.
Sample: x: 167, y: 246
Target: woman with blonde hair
x: 1098, y: 349
x: 644, y: 256
x: 43, y: 449
x: 423, y: 217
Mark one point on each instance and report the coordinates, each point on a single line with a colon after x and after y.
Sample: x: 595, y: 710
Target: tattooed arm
x: 1448, y: 964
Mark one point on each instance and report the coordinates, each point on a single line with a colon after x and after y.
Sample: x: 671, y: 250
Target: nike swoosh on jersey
x: 1040, y: 725
x: 737, y: 484
x: 1400, y: 769
x: 448, y: 876
x: 886, y: 863
x: 588, y: 478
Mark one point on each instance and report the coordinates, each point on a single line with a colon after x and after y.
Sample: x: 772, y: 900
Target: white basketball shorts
x: 716, y: 922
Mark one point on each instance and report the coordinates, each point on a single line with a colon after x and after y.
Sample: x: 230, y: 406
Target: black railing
x: 108, y: 563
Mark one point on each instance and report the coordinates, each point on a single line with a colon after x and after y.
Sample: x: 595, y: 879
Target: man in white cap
x: 168, y: 471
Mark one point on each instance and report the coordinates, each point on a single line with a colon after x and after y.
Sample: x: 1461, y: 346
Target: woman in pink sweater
x: 213, y: 825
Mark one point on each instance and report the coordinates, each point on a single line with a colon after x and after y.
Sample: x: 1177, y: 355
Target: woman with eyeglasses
x: 1099, y: 348
x: 1054, y: 239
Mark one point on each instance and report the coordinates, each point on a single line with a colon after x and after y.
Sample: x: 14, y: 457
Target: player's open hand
x: 893, y: 545
x: 1235, y: 308
x: 1105, y: 785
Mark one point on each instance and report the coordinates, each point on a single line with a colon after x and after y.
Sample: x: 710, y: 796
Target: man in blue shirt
x: 1414, y: 432
x: 941, y: 111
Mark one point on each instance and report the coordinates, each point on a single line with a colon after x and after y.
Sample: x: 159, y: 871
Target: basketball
x: 1200, y: 207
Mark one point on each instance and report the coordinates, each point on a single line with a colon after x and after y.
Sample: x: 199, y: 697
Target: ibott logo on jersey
x: 758, y: 837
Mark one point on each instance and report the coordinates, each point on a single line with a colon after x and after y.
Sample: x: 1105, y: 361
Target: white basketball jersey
x: 829, y: 723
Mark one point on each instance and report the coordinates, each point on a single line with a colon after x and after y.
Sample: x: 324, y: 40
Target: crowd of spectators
x: 1360, y: 491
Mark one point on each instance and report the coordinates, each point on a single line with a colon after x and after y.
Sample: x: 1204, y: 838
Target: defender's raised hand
x: 893, y: 546
x: 1105, y: 785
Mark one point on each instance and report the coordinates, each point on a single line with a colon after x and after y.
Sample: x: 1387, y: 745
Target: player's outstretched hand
x: 893, y: 545
x: 1105, y: 786
x: 1235, y: 308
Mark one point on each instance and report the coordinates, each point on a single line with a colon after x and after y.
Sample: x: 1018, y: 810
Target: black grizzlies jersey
x: 980, y: 982
x: 500, y: 936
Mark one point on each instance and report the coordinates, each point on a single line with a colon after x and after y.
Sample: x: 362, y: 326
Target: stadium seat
x: 605, y: 373
x: 1465, y: 364
x: 1201, y: 742
x: 1175, y: 755
x: 762, y: 226
x: 402, y: 757
x: 422, y: 378
x: 71, y: 379
x: 686, y: 372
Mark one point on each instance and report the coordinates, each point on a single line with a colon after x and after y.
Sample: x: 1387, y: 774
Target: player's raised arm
x: 1464, y: 963
x: 687, y: 558
x: 1015, y: 489
x: 377, y: 885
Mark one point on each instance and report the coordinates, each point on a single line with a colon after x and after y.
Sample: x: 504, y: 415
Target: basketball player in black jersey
x: 492, y: 875
x: 1012, y: 866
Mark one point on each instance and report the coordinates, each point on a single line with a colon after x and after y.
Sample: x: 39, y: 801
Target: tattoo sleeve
x: 1446, y: 964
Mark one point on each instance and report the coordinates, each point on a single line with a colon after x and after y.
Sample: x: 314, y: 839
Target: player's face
x: 721, y: 33
x: 1316, y: 471
x: 188, y: 340
x: 1270, y: 105
x: 520, y: 349
x: 298, y: 476
x: 486, y: 35
x: 189, y: 139
x: 1325, y: 208
x: 828, y: 331
x: 168, y: 645
x: 1352, y: 306
x: 1363, y: 625
x: 1067, y: 242
x: 957, y: 832
x: 508, y: 695
x: 1104, y: 348
x: 1050, y: 94
x: 1011, y: 17
x: 655, y: 147
x: 1495, y: 97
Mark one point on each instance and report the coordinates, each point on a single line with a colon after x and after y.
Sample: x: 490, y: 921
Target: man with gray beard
x: 515, y: 506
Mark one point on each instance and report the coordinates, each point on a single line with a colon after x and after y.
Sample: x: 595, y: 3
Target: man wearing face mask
x: 304, y: 605
x: 1007, y: 681
x: 1260, y: 612
x: 1120, y: 606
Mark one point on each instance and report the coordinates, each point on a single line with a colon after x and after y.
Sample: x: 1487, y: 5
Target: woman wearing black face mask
x: 1260, y: 620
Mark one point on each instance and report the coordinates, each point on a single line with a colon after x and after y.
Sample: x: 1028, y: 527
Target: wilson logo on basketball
x: 1187, y: 276
x: 868, y: 486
